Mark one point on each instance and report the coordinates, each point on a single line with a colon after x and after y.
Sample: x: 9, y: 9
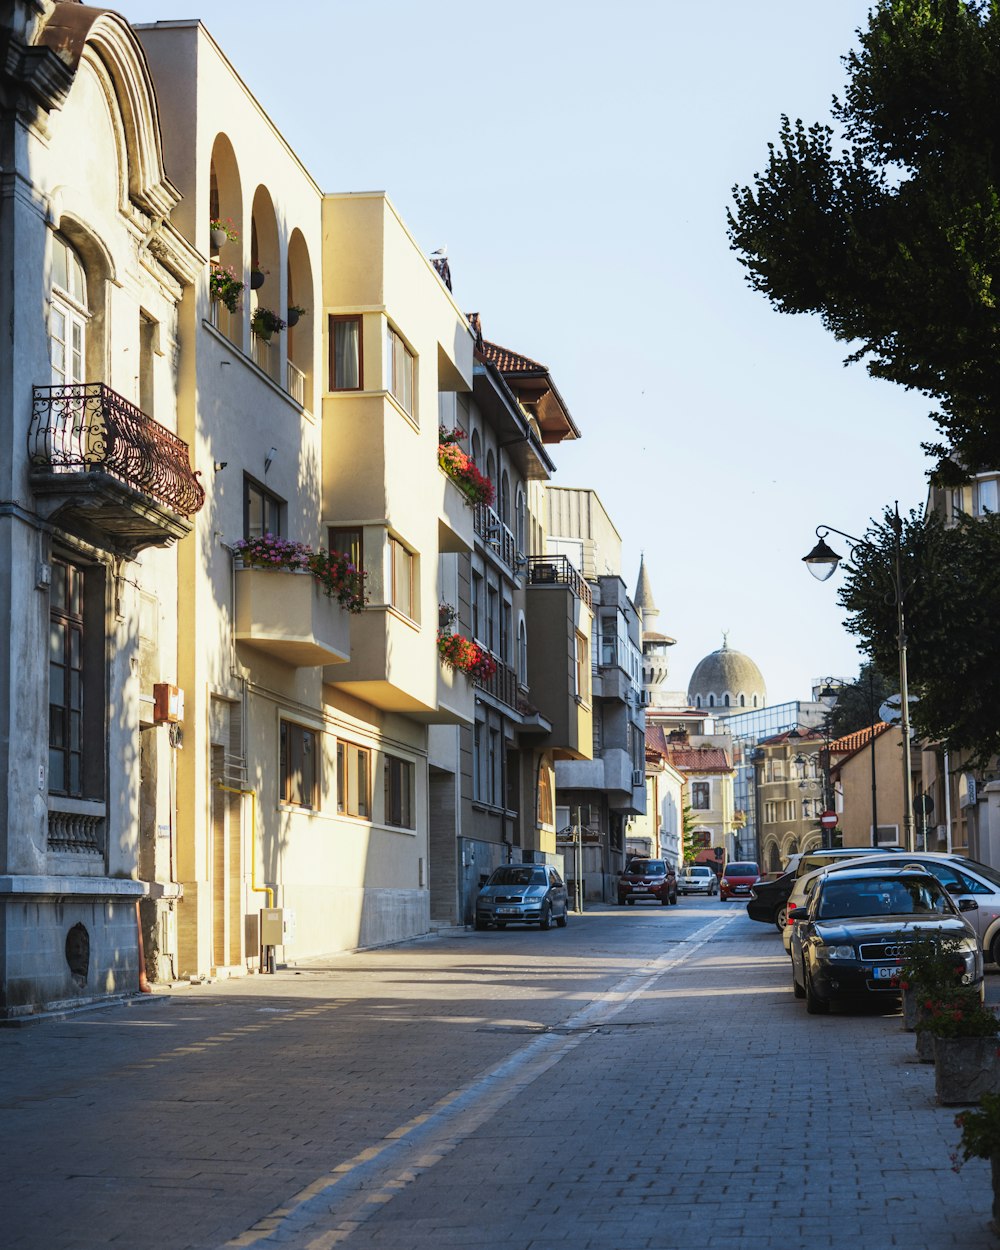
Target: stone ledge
x: 95, y: 887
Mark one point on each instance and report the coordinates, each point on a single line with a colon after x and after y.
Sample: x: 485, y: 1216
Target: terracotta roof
x: 511, y: 362
x: 698, y: 759
x: 860, y: 738
x: 656, y: 739
x: 793, y: 735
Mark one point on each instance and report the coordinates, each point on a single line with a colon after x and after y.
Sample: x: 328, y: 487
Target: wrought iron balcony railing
x: 557, y: 570
x: 502, y: 685
x: 90, y: 428
x: 495, y: 534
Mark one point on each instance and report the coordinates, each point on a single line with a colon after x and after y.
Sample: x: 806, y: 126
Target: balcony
x: 557, y: 571
x: 496, y: 537
x: 502, y: 686
x: 107, y: 472
x: 289, y: 617
x: 454, y: 517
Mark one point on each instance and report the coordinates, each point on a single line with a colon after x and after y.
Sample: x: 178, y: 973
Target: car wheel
x: 562, y: 920
x: 815, y: 1005
x: 781, y: 917
x: 673, y: 899
x: 995, y: 950
x: 481, y: 923
x: 630, y: 901
x: 797, y: 989
x: 664, y: 901
x: 546, y: 920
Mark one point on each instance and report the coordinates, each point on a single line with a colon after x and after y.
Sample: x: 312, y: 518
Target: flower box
x: 288, y: 616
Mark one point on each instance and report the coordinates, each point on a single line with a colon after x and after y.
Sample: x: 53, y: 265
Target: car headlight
x: 840, y: 952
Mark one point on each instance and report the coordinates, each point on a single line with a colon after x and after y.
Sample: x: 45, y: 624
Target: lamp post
x: 822, y: 562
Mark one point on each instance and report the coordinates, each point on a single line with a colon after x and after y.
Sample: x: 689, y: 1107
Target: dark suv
x: 652, y: 879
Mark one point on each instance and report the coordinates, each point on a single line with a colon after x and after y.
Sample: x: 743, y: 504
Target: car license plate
x: 885, y: 974
x: 508, y: 911
x: 640, y: 889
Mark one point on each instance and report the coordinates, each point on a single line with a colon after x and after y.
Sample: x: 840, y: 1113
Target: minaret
x: 654, y: 644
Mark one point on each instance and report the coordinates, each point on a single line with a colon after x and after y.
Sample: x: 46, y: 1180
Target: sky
x: 577, y: 159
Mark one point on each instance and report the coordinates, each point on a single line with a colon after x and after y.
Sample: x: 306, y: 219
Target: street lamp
x: 822, y: 562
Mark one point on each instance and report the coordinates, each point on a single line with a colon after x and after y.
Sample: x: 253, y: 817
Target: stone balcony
x: 288, y: 616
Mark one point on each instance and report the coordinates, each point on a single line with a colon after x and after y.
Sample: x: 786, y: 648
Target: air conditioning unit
x: 638, y: 778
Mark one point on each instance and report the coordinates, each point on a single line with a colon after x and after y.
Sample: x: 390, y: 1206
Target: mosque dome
x: 727, y: 681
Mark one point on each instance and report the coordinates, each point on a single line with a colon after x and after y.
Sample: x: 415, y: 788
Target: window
x: 401, y: 578
x: 582, y: 677
x: 477, y: 761
x: 711, y: 700
x: 506, y: 628
x: 399, y: 371
x: 770, y: 813
x: 299, y: 765
x: 477, y: 601
x: 493, y: 761
x: 545, y: 811
x: 68, y: 316
x: 399, y: 793
x: 350, y: 543
x: 493, y: 619
x: 66, y: 680
x: 353, y: 774
x: 262, y: 510
x: 345, y: 354
x: 522, y: 653
x: 986, y: 492
x: 700, y: 796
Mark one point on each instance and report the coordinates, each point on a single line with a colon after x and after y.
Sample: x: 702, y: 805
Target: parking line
x: 326, y: 1212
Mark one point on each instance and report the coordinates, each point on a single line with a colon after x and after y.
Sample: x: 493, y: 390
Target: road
x: 642, y: 1078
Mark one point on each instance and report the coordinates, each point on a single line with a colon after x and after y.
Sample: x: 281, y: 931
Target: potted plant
x: 339, y: 578
x: 461, y: 469
x: 931, y: 967
x: 225, y: 287
x: 964, y: 1035
x: 257, y: 276
x: 466, y: 656
x: 264, y: 322
x: 981, y: 1140
x: 269, y: 551
x: 293, y: 314
x: 221, y: 230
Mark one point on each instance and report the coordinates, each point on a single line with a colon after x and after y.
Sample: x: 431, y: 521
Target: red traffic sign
x: 828, y: 820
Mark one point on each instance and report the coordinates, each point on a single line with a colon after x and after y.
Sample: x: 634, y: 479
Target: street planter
x: 909, y: 1010
x: 966, y: 1068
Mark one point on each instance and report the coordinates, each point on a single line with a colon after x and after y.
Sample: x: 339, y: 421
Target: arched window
x: 522, y: 652
x: 505, y: 498
x: 755, y: 700
x: 519, y: 522
x: 743, y: 700
x: 491, y: 466
x: 477, y: 448
x: 726, y: 700
x: 697, y: 701
x: 711, y: 700
x: 68, y: 316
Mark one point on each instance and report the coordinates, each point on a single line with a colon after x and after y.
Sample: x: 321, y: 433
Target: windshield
x: 513, y: 875
x: 741, y: 870
x: 647, y: 867
x: 699, y: 872
x: 889, y: 896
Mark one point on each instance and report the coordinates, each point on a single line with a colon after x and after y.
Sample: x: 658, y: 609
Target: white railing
x: 264, y: 354
x: 295, y: 383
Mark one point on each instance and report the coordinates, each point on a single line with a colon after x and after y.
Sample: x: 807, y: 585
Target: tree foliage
x: 894, y: 240
x: 951, y: 582
x: 859, y: 701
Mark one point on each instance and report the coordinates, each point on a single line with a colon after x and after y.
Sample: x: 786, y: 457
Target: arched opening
x: 519, y: 521
x: 265, y: 285
x: 298, y: 314
x: 505, y: 498
x: 522, y: 651
x: 69, y: 315
x: 476, y: 448
x: 225, y: 205
x: 711, y: 700
x: 697, y: 701
x: 491, y: 469
x: 755, y: 700
x: 726, y: 700
x: 743, y: 700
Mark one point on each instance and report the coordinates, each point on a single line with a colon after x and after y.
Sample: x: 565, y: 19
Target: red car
x: 652, y: 879
x: 737, y: 880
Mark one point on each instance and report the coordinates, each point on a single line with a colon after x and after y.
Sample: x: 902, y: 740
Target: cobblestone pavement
x: 643, y: 1078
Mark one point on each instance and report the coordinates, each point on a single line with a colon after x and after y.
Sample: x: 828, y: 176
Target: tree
x: 951, y: 582
x: 858, y: 702
x: 688, y: 824
x: 895, y: 240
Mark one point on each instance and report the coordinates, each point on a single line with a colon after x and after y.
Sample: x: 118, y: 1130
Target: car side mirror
x: 800, y: 914
x: 967, y: 904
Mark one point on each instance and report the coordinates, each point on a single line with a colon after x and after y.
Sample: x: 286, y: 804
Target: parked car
x: 851, y: 940
x: 699, y: 879
x: 961, y: 877
x: 651, y: 879
x: 528, y: 893
x: 738, y: 880
x: 769, y: 899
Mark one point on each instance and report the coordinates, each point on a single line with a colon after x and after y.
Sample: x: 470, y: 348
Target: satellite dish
x: 891, y: 709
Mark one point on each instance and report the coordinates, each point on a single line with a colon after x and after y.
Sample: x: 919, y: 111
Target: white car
x: 963, y: 879
x: 698, y: 879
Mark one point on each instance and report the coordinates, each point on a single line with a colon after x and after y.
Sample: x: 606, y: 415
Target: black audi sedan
x: 852, y: 938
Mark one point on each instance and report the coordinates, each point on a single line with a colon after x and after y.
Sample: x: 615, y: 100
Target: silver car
x: 524, y: 893
x: 698, y: 879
